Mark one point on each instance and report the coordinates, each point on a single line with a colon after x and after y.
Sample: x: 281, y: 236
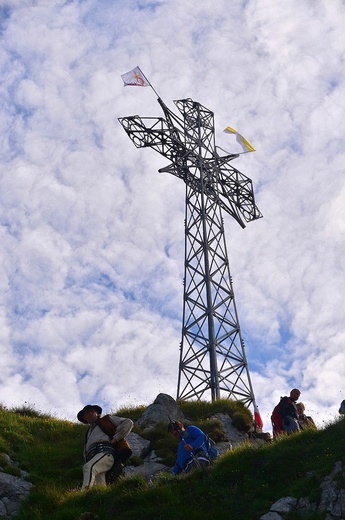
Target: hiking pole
x: 196, y: 460
x: 192, y: 456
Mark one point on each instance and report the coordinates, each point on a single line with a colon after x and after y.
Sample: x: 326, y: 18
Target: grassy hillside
x: 241, y: 485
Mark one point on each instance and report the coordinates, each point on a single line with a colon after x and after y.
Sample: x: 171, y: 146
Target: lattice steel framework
x: 212, y: 351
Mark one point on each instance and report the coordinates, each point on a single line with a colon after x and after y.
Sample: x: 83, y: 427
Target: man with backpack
x: 105, y: 444
x: 195, y: 450
x: 285, y: 416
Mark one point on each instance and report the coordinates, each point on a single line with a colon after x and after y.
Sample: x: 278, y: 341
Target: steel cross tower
x: 212, y: 351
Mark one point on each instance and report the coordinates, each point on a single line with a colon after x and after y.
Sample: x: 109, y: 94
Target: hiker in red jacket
x: 105, y: 443
x: 285, y: 416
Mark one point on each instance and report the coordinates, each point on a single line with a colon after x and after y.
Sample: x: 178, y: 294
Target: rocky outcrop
x: 233, y: 435
x: 150, y: 467
x: 164, y: 409
x: 13, y: 490
x: 332, y: 500
x: 151, y: 463
x: 140, y: 447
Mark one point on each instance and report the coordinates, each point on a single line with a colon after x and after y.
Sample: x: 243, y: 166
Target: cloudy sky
x: 92, y: 237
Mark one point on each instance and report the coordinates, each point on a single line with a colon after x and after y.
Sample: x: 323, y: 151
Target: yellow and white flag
x: 246, y: 146
x: 135, y: 78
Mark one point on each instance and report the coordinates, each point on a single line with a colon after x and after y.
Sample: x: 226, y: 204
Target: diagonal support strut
x: 212, y: 351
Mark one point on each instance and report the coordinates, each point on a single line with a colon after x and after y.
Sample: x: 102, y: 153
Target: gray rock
x: 140, y: 447
x: 13, y: 490
x: 233, y: 435
x: 271, y: 516
x: 6, y: 458
x: 223, y: 447
x: 304, y: 504
x: 152, y: 457
x: 329, y: 493
x: 147, y: 470
x: 332, y: 500
x: 164, y: 409
x: 284, y: 505
x: 3, y: 511
x: 341, y: 502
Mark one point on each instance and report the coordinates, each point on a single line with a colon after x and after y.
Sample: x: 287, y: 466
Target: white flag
x: 135, y: 78
x: 246, y: 146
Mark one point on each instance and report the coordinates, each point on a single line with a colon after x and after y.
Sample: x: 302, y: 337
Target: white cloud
x: 92, y: 236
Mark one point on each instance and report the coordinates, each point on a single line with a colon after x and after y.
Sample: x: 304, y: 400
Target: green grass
x: 241, y: 416
x: 240, y: 485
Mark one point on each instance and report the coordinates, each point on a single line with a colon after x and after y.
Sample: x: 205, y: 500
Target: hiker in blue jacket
x: 193, y: 441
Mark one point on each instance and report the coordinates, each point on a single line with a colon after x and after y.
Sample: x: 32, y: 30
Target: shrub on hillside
x: 242, y: 420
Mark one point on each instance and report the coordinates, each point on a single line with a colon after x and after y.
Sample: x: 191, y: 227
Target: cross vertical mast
x: 212, y: 351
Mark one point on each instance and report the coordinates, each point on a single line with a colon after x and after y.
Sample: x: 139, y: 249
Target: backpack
x: 122, y: 446
x: 276, y: 418
x: 212, y: 451
x: 342, y: 407
x: 106, y: 425
x: 202, y: 460
x: 198, y: 461
x: 209, y: 450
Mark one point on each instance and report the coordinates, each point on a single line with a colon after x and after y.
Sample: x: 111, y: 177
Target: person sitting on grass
x: 304, y: 421
x: 192, y: 451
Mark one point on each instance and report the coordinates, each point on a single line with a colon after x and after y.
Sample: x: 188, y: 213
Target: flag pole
x: 148, y: 81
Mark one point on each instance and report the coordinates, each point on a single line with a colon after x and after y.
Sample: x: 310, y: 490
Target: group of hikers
x: 288, y: 416
x: 106, y: 448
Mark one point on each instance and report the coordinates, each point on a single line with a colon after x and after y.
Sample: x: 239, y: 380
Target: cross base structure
x: 212, y: 351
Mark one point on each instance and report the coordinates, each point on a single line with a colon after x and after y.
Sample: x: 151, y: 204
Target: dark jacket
x: 287, y: 408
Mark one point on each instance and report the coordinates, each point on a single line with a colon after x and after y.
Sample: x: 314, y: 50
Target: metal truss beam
x: 212, y: 351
